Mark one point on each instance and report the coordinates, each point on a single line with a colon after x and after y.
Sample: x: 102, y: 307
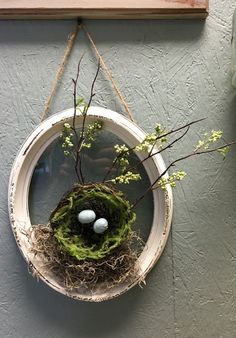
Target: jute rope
x: 68, y: 49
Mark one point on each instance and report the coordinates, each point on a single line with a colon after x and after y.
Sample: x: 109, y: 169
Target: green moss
x: 80, y: 241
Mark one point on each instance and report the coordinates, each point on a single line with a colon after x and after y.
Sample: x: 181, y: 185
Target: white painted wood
x: 19, y: 184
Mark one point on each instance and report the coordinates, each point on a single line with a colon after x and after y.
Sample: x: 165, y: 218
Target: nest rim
x: 95, y: 196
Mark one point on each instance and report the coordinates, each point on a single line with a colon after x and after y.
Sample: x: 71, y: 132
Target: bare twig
x: 85, y: 110
x: 75, y: 82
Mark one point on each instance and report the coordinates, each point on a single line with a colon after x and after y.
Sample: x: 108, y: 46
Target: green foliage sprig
x: 91, y: 133
x: 150, y: 140
x: 67, y: 141
x: 126, y: 178
x: 171, y: 180
x: 210, y: 138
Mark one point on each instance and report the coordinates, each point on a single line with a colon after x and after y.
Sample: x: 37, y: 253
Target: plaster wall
x: 170, y: 72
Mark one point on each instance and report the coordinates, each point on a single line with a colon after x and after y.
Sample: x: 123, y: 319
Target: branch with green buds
x: 73, y: 140
x: 148, y: 145
x: 204, y: 146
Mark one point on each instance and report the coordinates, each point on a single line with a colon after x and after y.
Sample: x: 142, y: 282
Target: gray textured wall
x: 171, y: 72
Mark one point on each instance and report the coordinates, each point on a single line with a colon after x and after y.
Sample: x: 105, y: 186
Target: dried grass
x: 118, y: 267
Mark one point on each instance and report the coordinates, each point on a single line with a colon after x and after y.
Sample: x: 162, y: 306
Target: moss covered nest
x: 80, y: 241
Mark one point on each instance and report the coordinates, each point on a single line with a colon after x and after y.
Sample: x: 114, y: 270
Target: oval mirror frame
x: 19, y: 186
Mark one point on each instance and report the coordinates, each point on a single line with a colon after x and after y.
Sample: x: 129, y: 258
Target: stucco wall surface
x: 170, y: 72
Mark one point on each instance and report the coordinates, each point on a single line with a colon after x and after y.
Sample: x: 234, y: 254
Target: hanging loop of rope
x: 67, y: 52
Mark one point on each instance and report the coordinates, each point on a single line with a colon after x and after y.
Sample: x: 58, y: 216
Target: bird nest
x: 78, y: 255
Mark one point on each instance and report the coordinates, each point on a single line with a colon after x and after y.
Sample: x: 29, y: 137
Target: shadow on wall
x: 80, y: 319
x: 232, y: 114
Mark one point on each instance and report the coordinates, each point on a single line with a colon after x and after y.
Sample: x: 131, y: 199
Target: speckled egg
x: 86, y: 216
x: 100, y: 225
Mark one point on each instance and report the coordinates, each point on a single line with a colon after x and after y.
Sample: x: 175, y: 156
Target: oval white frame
x: 19, y: 184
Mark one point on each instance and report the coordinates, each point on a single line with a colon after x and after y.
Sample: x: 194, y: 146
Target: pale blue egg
x: 86, y: 216
x: 100, y: 225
